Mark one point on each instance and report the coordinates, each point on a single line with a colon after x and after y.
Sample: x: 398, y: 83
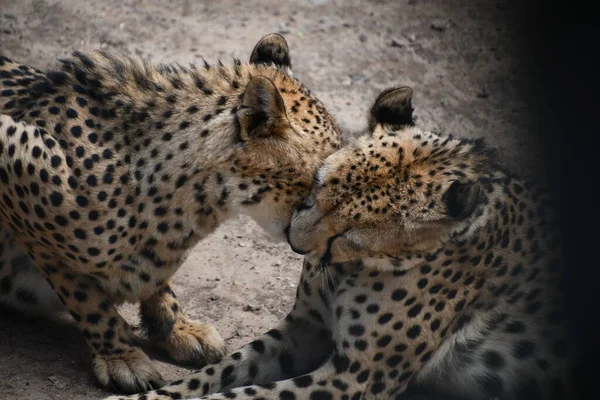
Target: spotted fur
x: 117, y: 167
x: 430, y: 273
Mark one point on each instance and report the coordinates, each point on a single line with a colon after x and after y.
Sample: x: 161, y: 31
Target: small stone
x: 358, y: 77
x: 396, y: 43
x: 283, y: 29
x: 362, y: 37
x: 483, y: 94
x: 58, y: 381
x: 249, y: 308
x: 439, y: 25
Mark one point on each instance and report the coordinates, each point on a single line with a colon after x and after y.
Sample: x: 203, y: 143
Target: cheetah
x: 429, y: 273
x: 112, y: 169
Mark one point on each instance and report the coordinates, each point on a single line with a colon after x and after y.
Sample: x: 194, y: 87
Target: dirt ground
x: 461, y: 58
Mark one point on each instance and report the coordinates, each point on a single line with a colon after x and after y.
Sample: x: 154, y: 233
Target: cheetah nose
x: 294, y: 248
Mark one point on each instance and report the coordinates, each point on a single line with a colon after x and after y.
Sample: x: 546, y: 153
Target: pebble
x: 58, y: 381
x: 250, y: 308
x: 483, y: 94
x: 439, y: 25
x: 397, y: 43
x: 358, y: 77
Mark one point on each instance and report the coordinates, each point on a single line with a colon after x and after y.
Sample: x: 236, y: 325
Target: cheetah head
x: 395, y: 193
x: 282, y: 134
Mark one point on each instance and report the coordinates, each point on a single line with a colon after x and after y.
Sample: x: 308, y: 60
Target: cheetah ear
x: 392, y: 107
x: 272, y: 48
x: 462, y: 199
x: 262, y: 112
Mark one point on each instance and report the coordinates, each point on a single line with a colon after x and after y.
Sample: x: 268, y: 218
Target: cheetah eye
x: 308, y: 202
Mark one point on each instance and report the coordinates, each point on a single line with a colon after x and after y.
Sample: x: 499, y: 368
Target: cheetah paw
x: 127, y: 372
x: 195, y: 343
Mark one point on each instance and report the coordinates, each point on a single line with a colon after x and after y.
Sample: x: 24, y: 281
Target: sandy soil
x: 461, y: 57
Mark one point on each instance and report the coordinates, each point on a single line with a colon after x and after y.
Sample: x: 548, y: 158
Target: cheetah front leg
x: 338, y: 379
x: 300, y: 344
x: 293, y: 348
x: 117, y: 361
x: 185, y: 340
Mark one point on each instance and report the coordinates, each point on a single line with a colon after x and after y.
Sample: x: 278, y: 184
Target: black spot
x: 258, y: 346
x: 415, y: 310
x: 55, y: 161
x: 227, y: 371
x: 523, y: 349
x: 356, y: 330
x: 341, y: 363
x: 321, y: 395
x: 413, y: 332
x: 287, y: 395
x: 94, y: 318
x: 193, y: 384
x: 493, y: 359
x: 303, y: 381
x: 385, y: 318
x: 56, y: 199
x: 26, y: 296
x: 80, y: 296
x: 384, y: 341
x: 399, y: 294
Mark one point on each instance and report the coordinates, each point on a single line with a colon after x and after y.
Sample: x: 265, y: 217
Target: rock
x: 483, y: 94
x: 283, y: 29
x: 358, y: 77
x: 362, y: 37
x: 439, y: 25
x: 397, y: 42
x: 58, y: 381
x: 249, y: 308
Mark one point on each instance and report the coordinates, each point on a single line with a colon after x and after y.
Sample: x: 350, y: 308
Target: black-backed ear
x: 462, y: 199
x: 262, y: 112
x: 392, y: 107
x: 272, y: 48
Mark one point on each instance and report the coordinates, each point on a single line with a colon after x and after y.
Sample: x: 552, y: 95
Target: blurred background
x: 514, y: 72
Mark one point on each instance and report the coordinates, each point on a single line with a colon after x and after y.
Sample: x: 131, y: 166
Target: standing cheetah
x: 117, y: 168
x: 430, y: 273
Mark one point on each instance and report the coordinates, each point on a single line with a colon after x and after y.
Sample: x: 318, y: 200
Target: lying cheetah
x: 119, y: 167
x: 429, y: 273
